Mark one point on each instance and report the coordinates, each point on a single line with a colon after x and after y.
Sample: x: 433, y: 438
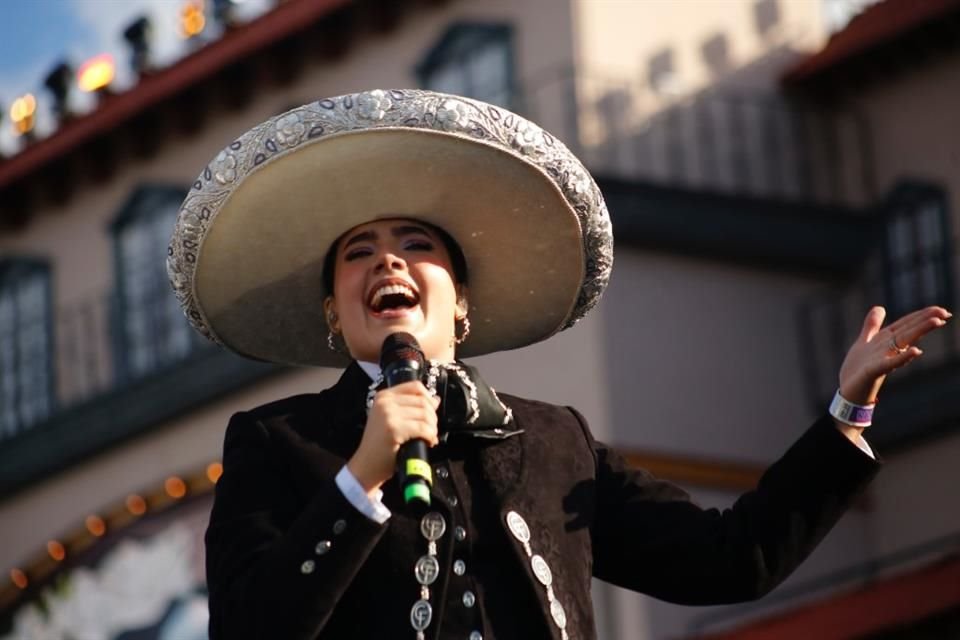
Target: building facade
x: 767, y: 185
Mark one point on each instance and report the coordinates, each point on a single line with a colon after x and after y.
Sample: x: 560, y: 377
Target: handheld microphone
x: 401, y: 360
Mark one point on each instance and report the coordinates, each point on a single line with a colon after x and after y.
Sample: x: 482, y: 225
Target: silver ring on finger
x: 895, y: 347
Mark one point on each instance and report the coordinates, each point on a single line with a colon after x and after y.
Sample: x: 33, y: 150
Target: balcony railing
x: 748, y: 144
x: 103, y: 346
x: 115, y: 376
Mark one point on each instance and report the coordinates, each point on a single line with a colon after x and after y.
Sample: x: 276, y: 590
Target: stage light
x: 96, y: 73
x: 192, y: 20
x: 23, y: 113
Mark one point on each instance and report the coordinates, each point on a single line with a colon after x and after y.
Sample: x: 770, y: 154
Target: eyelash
x: 419, y: 245
x: 413, y: 245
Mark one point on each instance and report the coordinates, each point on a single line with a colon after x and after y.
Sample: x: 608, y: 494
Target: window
x: 916, y: 256
x: 473, y: 60
x: 26, y: 381
x: 151, y: 330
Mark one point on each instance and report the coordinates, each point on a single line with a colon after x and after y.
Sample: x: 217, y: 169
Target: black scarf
x: 469, y: 407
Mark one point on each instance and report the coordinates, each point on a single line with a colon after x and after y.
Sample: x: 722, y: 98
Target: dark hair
x: 457, y: 260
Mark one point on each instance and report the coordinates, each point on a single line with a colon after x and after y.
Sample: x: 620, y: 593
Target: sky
x: 35, y: 35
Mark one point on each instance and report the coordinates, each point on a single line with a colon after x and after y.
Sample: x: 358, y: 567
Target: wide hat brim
x: 246, y: 257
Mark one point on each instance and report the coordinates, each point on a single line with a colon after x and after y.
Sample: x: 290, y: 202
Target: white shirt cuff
x: 371, y: 507
x: 864, y: 446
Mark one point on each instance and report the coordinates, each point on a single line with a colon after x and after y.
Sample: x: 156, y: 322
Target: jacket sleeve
x: 648, y: 536
x: 273, y: 572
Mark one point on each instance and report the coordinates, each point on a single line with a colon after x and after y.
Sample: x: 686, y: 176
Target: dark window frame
x: 13, y: 269
x: 140, y: 208
x: 458, y: 43
x: 904, y: 258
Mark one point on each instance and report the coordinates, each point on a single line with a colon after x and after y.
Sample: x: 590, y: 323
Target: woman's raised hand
x: 878, y: 351
x: 401, y: 413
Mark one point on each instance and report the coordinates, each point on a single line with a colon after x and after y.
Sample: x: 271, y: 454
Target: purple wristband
x: 856, y: 415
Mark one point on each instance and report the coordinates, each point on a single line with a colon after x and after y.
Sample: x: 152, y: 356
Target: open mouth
x: 391, y: 298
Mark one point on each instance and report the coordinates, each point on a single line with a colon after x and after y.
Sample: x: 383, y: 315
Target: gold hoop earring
x: 466, y: 331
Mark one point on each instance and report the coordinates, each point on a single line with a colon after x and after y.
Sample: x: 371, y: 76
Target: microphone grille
x: 400, y: 346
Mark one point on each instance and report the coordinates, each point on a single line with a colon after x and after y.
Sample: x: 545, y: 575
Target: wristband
x: 856, y: 415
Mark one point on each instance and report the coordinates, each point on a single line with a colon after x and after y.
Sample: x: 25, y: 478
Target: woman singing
x: 320, y: 233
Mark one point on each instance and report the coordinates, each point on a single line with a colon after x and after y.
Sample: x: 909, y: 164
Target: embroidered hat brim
x: 247, y: 252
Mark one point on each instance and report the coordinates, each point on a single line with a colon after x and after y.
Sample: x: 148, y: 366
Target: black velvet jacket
x: 288, y: 557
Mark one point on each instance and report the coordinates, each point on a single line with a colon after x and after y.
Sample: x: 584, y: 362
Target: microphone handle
x: 416, y: 476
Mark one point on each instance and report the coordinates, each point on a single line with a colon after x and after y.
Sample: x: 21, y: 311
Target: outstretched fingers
x: 910, y: 321
x: 909, y: 333
x: 872, y: 323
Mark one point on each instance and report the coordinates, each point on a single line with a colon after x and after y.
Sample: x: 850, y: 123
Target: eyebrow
x: 396, y: 232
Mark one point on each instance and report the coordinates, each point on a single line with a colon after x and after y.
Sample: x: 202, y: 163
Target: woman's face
x: 390, y: 276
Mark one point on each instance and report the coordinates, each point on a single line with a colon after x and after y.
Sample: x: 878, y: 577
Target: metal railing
x: 752, y: 144
x: 93, y: 355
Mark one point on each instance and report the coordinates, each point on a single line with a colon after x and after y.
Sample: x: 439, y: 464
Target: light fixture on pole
x: 139, y: 35
x: 58, y: 82
x: 224, y: 12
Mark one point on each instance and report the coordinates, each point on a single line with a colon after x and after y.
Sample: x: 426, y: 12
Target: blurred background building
x: 773, y: 168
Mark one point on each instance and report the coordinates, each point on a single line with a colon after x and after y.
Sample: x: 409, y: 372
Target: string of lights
x: 153, y: 500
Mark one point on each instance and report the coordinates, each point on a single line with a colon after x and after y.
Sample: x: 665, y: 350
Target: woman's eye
x: 359, y: 252
x: 419, y: 245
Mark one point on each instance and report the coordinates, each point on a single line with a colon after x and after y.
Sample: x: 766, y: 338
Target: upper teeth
x: 391, y: 289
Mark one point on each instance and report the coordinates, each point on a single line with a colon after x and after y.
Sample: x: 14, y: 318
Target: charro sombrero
x: 246, y: 255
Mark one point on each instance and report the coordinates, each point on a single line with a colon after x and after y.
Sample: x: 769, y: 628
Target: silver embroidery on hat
x: 410, y: 109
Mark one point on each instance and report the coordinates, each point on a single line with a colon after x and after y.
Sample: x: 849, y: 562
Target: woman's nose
x: 390, y: 261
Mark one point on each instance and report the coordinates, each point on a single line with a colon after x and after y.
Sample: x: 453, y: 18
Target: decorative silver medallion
x: 542, y: 570
x: 518, y: 526
x: 421, y: 614
x: 433, y: 526
x: 427, y: 570
x: 558, y: 614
